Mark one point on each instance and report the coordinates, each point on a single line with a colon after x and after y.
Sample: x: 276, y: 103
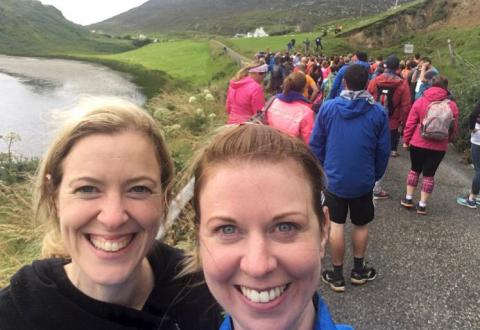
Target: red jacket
x: 411, y: 133
x: 401, y: 97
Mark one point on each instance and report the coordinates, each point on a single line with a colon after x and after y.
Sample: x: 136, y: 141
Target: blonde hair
x: 92, y: 116
x: 243, y: 72
x: 253, y: 143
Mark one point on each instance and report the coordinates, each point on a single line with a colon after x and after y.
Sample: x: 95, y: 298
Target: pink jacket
x: 411, y: 133
x: 244, y: 99
x: 294, y: 118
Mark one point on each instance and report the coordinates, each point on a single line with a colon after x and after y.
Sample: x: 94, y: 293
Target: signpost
x: 408, y: 48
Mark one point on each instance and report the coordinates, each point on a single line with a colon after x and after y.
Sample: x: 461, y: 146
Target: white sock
x: 409, y: 197
x: 422, y: 204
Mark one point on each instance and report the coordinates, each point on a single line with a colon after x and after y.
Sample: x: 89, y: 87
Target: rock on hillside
x: 232, y: 16
x: 427, y: 15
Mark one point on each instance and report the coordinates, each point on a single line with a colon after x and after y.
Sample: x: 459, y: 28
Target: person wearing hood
x: 351, y: 140
x: 394, y: 91
x: 290, y: 112
x: 245, y: 95
x: 427, y: 153
x: 360, y: 58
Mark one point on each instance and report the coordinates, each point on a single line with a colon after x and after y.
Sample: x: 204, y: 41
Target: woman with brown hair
x: 432, y: 123
x: 261, y: 229
x: 290, y: 112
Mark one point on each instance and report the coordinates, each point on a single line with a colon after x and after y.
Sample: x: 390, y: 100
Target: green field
x: 249, y: 46
x: 187, y: 60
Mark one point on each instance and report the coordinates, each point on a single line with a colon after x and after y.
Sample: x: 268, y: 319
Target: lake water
x: 35, y: 93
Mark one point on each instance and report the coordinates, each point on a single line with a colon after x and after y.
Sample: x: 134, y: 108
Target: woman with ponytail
x: 245, y: 93
x: 290, y: 112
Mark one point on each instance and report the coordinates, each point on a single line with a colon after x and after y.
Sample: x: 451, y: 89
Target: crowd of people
x: 271, y: 190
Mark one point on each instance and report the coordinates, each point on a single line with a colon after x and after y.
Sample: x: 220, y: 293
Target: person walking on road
x: 393, y: 92
x: 360, y: 58
x: 290, y: 112
x: 431, y: 124
x: 245, y: 95
x: 472, y: 199
x: 352, y: 163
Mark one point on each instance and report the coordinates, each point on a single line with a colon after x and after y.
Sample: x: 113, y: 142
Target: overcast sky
x: 92, y: 11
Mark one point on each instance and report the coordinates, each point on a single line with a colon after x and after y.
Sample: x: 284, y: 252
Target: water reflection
x: 33, y: 92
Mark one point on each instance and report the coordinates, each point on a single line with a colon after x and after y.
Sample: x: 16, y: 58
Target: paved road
x: 428, y: 266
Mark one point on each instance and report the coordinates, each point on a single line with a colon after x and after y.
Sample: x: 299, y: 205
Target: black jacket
x: 474, y: 117
x: 42, y: 297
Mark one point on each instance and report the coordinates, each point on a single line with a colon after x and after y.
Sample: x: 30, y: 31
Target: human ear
x: 325, y: 229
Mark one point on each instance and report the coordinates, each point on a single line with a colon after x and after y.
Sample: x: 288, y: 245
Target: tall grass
x: 20, y: 236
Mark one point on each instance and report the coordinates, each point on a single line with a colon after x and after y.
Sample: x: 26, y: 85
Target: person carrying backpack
x: 392, y: 91
x: 431, y: 124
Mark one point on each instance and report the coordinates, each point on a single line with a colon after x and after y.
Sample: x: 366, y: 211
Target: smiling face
x: 260, y: 243
x: 109, y: 204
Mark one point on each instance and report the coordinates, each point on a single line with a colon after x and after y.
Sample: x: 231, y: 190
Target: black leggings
x: 425, y: 161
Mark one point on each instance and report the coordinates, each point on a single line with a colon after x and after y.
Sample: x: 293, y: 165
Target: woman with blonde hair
x: 102, y: 188
x: 261, y: 229
x: 290, y: 112
x: 245, y: 95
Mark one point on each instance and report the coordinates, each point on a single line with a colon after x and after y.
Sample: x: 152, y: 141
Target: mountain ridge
x: 227, y: 17
x: 29, y: 27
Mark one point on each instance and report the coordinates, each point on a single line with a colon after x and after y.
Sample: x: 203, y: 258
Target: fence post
x: 452, y: 54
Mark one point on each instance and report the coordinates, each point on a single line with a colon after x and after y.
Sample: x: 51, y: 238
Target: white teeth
x: 262, y: 296
x: 110, y: 246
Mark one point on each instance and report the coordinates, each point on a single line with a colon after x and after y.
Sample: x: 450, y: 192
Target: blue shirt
x: 323, y: 319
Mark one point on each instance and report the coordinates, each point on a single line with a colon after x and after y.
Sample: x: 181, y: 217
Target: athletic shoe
x: 465, y: 201
x: 478, y: 200
x: 394, y: 154
x: 382, y: 194
x: 407, y: 203
x: 366, y: 275
x: 335, y: 285
x: 421, y: 209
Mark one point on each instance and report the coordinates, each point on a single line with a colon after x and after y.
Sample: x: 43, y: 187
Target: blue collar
x: 323, y: 319
x: 291, y: 97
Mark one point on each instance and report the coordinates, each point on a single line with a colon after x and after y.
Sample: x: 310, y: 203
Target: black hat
x: 392, y: 62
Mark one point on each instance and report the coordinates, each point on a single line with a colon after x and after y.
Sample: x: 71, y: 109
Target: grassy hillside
x: 28, y: 27
x: 226, y: 17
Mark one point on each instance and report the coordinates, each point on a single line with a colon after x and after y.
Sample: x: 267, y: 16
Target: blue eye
x: 285, y: 227
x: 227, y: 229
x: 140, y: 189
x: 86, y: 190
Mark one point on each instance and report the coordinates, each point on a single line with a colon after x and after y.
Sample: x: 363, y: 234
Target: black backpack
x: 385, y: 98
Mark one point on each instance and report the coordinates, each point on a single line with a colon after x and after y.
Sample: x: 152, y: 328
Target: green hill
x: 28, y: 27
x: 227, y: 17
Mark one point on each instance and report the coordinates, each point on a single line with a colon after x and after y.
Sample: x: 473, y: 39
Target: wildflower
x: 212, y: 116
x: 209, y: 97
x: 200, y: 112
x: 206, y: 91
x: 192, y: 99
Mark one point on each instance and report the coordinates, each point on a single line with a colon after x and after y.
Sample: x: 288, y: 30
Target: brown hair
x: 440, y: 81
x: 295, y: 82
x: 258, y: 143
x: 92, y: 116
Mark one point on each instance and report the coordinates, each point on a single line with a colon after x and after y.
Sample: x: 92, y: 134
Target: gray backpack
x: 438, y: 121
